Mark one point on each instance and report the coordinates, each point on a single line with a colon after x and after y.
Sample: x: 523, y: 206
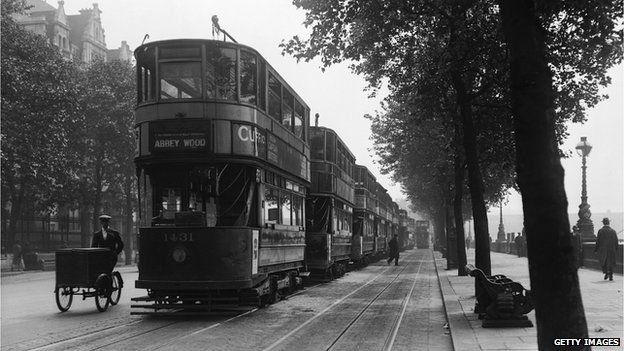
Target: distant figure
x: 606, y: 247
x: 16, y: 263
x: 577, y: 246
x: 108, y: 238
x: 520, y: 241
x: 393, y: 253
x: 468, y: 242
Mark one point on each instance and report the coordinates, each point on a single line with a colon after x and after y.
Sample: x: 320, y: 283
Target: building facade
x: 78, y: 37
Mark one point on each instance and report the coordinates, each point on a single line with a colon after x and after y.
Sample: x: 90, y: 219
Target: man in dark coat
x: 393, y: 245
x: 606, y: 247
x: 108, y: 238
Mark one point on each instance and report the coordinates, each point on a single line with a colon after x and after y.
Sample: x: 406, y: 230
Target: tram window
x: 317, y: 144
x: 146, y: 60
x: 330, y: 147
x: 271, y: 209
x: 287, y: 109
x: 171, y: 202
x: 221, y: 73
x: 179, y: 52
x: 275, y: 97
x: 299, y: 118
x: 180, y: 80
x: 248, y: 77
x: 285, y: 205
x: 297, y: 210
x: 262, y: 86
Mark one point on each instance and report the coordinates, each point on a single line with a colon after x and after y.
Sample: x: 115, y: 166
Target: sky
x: 338, y: 95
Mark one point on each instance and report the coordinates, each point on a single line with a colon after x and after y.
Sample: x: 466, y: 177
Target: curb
x: 462, y: 335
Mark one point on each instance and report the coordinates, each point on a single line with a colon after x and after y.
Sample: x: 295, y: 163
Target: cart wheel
x: 64, y: 297
x: 103, y: 289
x: 116, y: 291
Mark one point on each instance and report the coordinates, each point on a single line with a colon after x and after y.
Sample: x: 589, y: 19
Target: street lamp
x: 585, y: 224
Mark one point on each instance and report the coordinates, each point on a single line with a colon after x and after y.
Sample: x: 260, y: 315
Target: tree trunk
x: 451, y: 258
x: 459, y: 216
x: 475, y: 180
x: 554, y: 281
x: 439, y: 230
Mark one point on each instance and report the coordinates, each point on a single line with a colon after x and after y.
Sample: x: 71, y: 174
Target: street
x: 379, y: 307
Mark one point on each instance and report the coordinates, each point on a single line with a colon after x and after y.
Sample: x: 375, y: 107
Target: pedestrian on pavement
x: 393, y: 245
x: 16, y: 263
x: 108, y: 238
x: 520, y: 244
x: 606, y: 247
x: 577, y: 246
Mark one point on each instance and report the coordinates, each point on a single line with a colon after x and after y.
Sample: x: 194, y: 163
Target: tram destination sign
x: 179, y: 141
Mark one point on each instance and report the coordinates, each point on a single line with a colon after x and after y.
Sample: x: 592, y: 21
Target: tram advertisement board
x: 170, y: 137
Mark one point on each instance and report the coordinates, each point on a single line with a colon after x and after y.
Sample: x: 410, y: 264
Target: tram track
x: 105, y: 332
x: 390, y: 338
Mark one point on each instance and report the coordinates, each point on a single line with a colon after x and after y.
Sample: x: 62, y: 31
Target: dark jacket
x: 112, y: 242
x: 606, y: 246
x: 393, y: 245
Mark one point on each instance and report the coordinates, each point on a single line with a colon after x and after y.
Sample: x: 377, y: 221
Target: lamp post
x: 585, y: 224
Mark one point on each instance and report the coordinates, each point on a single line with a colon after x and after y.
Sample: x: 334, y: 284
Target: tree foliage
x: 39, y: 101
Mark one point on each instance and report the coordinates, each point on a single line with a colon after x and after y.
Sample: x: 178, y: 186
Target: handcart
x: 86, y: 272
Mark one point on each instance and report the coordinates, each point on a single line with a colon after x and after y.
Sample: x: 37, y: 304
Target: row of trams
x: 240, y: 199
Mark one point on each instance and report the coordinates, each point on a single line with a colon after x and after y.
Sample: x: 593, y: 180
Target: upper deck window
x: 262, y: 86
x: 177, y: 52
x: 248, y: 78
x: 146, y: 70
x: 221, y: 73
x: 287, y: 109
x: 299, y: 119
x: 180, y: 80
x: 275, y: 97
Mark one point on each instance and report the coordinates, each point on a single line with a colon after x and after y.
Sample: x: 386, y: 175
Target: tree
x: 39, y: 94
x: 107, y: 139
x: 535, y: 50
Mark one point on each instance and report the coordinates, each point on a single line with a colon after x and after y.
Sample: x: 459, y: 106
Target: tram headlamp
x: 179, y: 254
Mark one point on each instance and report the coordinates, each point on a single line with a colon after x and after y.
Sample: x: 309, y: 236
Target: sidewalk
x: 603, y: 302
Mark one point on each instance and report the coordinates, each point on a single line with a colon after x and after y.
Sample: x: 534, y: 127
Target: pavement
x: 602, y: 300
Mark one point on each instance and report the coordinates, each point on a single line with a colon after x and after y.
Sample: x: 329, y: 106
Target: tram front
x: 222, y: 165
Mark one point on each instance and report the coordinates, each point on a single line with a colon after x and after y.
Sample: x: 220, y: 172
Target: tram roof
x: 337, y: 136
x: 224, y: 43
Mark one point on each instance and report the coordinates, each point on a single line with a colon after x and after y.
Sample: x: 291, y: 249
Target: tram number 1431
x: 175, y: 237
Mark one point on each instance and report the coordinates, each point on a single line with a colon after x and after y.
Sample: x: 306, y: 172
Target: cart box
x: 80, y: 267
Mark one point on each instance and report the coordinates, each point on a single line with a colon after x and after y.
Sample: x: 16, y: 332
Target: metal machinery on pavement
x: 223, y: 165
x: 329, y: 206
x: 86, y: 272
x: 364, y: 212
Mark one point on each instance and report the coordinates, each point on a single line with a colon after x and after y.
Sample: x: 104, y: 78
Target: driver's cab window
x: 171, y: 202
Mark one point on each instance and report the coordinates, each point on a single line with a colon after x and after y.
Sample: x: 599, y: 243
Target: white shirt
x: 104, y: 233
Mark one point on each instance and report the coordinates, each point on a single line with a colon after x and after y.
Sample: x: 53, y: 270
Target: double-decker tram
x: 403, y: 230
x: 422, y: 234
x: 362, y: 248
x: 329, y: 205
x: 381, y: 222
x: 223, y: 167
